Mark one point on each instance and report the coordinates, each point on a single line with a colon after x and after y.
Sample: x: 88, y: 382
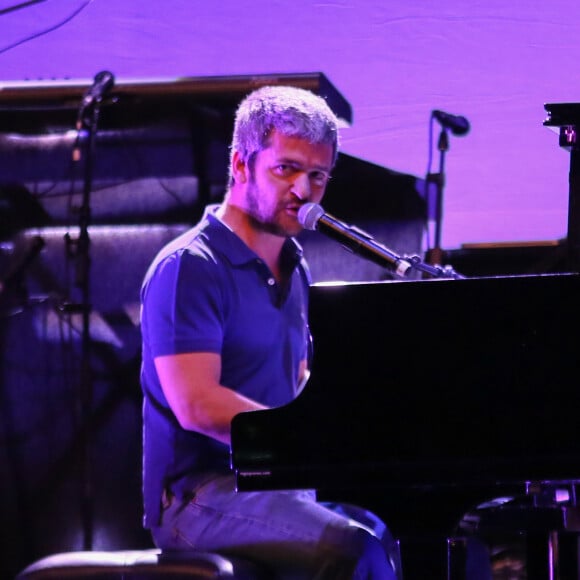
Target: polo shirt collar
x: 232, y: 246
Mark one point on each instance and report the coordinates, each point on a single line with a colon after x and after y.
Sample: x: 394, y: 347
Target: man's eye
x: 319, y: 177
x: 287, y: 170
x: 284, y: 169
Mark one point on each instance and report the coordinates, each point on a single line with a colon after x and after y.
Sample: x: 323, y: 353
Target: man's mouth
x: 292, y: 210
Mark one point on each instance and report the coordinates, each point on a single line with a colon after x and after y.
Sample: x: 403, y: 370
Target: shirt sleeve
x: 182, y: 306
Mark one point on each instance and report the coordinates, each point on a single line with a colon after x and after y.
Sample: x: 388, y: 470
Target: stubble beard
x: 266, y: 223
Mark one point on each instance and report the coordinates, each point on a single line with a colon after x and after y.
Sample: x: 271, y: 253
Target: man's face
x: 285, y: 176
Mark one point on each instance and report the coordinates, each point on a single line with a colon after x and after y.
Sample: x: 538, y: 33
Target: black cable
x: 47, y: 30
x: 19, y: 6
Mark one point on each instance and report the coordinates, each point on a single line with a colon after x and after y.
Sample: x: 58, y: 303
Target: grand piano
x: 439, y: 382
x: 428, y: 398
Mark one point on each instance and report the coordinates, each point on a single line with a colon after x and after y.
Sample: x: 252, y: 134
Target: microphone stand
x: 435, y: 253
x: 87, y: 128
x: 434, y: 271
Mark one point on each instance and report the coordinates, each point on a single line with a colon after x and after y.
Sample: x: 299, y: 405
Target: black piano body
x: 428, y: 382
x: 426, y: 398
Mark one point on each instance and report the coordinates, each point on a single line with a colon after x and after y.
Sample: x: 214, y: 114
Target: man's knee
x: 359, y: 550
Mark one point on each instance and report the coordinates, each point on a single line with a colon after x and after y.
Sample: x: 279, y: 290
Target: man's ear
x: 239, y: 168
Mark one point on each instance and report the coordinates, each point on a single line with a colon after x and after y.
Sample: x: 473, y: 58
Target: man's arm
x: 191, y: 386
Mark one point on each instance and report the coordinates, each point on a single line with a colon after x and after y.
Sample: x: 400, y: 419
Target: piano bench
x: 149, y: 564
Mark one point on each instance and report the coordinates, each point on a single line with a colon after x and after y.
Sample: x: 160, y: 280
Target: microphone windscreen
x: 309, y: 214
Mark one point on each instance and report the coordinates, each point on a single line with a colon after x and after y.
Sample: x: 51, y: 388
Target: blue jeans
x: 288, y: 531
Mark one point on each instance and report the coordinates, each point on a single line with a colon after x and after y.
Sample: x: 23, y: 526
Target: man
x: 224, y: 323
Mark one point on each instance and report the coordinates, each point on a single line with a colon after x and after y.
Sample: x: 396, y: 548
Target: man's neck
x: 266, y: 245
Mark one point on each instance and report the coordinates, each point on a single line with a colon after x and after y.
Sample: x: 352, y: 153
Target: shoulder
x: 188, y: 257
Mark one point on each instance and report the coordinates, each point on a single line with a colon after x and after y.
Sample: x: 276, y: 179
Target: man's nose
x: 301, y: 187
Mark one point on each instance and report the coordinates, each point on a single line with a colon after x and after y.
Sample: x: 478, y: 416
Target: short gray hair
x: 292, y: 111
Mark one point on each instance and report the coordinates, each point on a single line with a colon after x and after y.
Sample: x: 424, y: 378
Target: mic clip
x: 102, y: 85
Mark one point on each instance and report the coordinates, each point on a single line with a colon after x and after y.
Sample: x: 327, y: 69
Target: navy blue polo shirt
x: 208, y: 292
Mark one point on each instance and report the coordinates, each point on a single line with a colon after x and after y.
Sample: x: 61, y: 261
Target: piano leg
x: 568, y: 551
x: 552, y: 556
x: 534, y: 536
x: 533, y: 555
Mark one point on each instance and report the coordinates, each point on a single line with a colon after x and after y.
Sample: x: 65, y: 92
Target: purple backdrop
x: 495, y: 63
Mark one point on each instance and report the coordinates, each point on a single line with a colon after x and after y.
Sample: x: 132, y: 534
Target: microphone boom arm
x: 362, y: 243
x: 312, y: 217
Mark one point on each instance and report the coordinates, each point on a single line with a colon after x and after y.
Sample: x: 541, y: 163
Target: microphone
x: 312, y: 217
x: 456, y: 124
x: 102, y: 84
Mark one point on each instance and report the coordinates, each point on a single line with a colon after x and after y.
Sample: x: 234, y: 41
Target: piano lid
x: 427, y: 382
x: 130, y: 96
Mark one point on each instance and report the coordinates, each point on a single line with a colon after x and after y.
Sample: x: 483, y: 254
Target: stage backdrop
x: 492, y: 62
